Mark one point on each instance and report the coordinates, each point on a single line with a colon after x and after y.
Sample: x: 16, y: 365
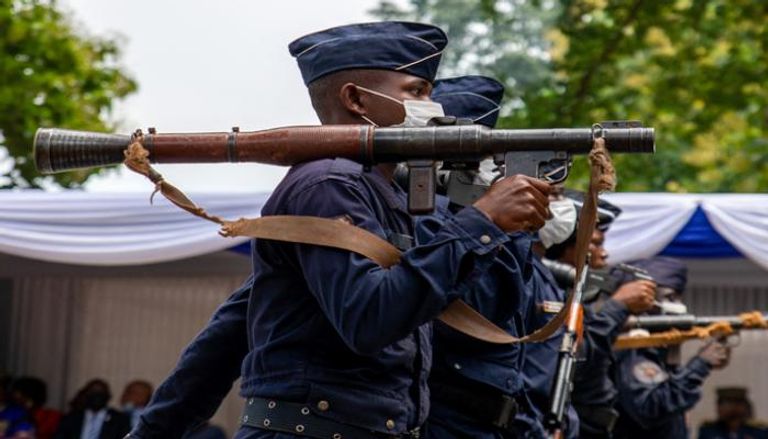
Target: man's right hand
x: 517, y: 204
x: 638, y: 296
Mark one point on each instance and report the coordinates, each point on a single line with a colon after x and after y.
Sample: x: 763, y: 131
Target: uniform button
x: 323, y: 405
x: 457, y: 366
x: 485, y: 239
x: 390, y: 424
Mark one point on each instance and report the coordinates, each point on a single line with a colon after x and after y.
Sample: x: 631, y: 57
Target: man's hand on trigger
x: 638, y: 296
x: 517, y: 203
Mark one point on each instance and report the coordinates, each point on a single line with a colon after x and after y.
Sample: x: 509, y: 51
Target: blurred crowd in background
x: 89, y: 415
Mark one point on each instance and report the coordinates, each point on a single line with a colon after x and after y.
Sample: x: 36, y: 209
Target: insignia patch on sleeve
x: 648, y: 372
x: 549, y: 307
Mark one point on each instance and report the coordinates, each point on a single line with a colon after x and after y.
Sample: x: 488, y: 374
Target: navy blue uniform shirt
x: 654, y: 396
x: 330, y: 325
x: 502, y: 297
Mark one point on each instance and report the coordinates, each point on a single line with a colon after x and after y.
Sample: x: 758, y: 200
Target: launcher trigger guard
x: 550, y: 166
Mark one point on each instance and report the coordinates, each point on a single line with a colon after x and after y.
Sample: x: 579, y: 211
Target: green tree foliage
x: 51, y: 75
x: 694, y: 70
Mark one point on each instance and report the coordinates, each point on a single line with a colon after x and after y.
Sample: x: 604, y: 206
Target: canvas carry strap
x: 602, y: 178
x: 334, y: 233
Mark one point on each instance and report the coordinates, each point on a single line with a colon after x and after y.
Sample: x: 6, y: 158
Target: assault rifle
x: 592, y: 284
x: 658, y: 323
x: 554, y: 419
x: 539, y: 153
x: 666, y: 330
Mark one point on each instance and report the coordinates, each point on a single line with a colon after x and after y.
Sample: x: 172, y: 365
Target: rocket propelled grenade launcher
x: 534, y: 152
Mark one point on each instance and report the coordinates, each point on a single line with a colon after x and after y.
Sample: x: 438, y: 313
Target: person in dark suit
x: 95, y: 420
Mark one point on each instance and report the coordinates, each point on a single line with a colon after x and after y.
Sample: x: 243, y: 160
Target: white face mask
x: 561, y: 225
x: 667, y: 307
x: 417, y: 113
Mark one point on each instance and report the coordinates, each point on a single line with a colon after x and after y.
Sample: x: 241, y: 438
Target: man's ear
x: 352, y: 99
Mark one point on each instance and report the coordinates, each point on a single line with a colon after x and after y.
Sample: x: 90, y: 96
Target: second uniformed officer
x: 476, y: 387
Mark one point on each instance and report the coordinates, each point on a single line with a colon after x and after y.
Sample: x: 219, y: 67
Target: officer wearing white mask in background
x: 594, y: 391
x: 557, y: 240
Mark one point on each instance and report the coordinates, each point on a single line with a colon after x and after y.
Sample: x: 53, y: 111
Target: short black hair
x: 324, y: 92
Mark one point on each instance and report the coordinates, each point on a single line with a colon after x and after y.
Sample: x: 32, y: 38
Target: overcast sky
x: 208, y: 66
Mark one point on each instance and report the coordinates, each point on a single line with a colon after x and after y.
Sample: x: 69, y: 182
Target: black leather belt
x: 602, y: 418
x: 298, y: 419
x: 480, y: 402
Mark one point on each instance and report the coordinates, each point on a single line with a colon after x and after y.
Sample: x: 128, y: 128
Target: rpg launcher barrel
x: 529, y: 152
x: 659, y: 323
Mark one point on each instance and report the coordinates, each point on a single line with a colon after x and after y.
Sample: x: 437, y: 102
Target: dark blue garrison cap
x: 412, y: 48
x: 470, y: 97
x: 666, y: 271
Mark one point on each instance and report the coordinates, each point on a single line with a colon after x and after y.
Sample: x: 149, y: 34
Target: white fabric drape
x: 742, y: 221
x: 651, y: 221
x: 648, y: 222
x: 114, y: 229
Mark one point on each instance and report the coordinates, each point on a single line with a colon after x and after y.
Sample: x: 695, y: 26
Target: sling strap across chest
x: 338, y: 234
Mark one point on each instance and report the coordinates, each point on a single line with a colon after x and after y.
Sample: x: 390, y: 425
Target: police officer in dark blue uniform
x: 559, y: 244
x: 594, y: 392
x: 476, y: 387
x: 548, y: 297
x: 654, y: 394
x: 734, y: 417
x: 339, y: 347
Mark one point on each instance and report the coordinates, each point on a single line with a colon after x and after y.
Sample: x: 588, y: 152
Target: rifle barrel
x: 59, y: 150
x: 684, y: 321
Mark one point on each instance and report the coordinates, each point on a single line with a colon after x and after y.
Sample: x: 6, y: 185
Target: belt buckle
x: 508, y: 410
